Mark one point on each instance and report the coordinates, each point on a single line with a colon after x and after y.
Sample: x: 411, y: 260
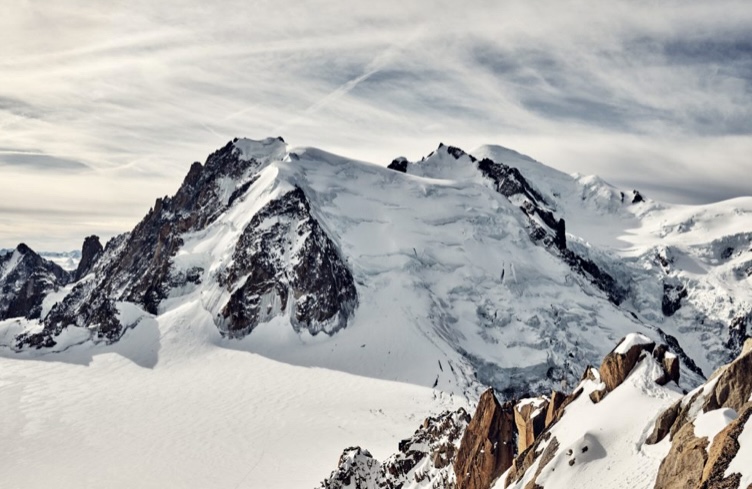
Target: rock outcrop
x: 487, y: 447
x: 691, y: 463
x: 284, y: 261
x: 90, y: 253
x: 423, y: 460
x: 622, y: 359
x: 530, y: 419
x: 356, y: 469
x: 728, y: 387
x: 724, y: 449
x: 554, y: 404
x: 682, y: 468
x: 670, y: 364
x: 398, y: 164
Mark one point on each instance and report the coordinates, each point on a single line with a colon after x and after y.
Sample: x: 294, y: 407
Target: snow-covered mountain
x: 448, y: 274
x: 67, y: 260
x: 505, y: 272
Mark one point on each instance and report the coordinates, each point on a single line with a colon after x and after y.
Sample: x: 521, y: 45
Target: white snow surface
x: 711, y: 423
x: 171, y: 406
x: 632, y: 339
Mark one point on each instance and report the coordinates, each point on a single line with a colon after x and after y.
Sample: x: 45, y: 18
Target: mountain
x: 286, y: 298
x: 625, y: 425
x: 25, y: 280
x: 67, y: 260
x: 505, y: 272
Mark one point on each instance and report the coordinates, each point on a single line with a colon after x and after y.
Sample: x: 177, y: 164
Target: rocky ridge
x: 422, y: 461
x: 707, y: 428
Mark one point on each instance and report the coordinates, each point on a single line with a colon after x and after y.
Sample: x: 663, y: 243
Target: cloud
x: 39, y: 161
x: 136, y: 92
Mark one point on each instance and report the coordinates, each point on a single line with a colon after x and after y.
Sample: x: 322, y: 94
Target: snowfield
x: 170, y: 406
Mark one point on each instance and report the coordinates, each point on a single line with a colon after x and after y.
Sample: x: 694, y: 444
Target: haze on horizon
x: 104, y: 106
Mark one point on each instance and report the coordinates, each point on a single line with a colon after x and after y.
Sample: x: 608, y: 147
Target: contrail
x: 376, y: 65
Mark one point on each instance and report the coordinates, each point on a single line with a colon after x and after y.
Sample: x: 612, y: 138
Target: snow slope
x: 170, y: 406
x: 602, y: 445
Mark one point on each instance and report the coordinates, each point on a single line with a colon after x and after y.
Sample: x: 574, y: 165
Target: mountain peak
x: 263, y: 150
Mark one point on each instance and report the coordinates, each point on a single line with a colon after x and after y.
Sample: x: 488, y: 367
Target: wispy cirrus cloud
x: 656, y: 95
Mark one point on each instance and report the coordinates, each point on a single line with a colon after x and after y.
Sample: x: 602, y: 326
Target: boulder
x: 487, y: 447
x: 598, y: 395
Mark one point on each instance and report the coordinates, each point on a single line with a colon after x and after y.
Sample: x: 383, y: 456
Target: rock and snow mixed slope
x: 504, y: 271
x: 453, y: 272
x: 624, y: 426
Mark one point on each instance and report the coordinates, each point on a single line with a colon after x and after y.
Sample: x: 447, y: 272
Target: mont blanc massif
x: 291, y: 318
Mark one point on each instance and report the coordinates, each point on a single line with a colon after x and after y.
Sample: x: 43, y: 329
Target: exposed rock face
x: 723, y: 450
x: 525, y: 460
x: 487, y: 447
x: 398, y: 164
x: 672, y: 297
x: 682, y: 467
x: 509, y: 182
x: 90, y: 253
x: 670, y: 364
x: 663, y: 424
x: 25, y: 279
x: 423, y: 460
x: 617, y: 365
x: 689, y: 463
x: 284, y: 261
x: 554, y: 404
x: 738, y: 332
x: 530, y: 419
x: 733, y: 383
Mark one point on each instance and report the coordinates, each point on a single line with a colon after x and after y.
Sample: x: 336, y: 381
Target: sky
x: 104, y: 105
